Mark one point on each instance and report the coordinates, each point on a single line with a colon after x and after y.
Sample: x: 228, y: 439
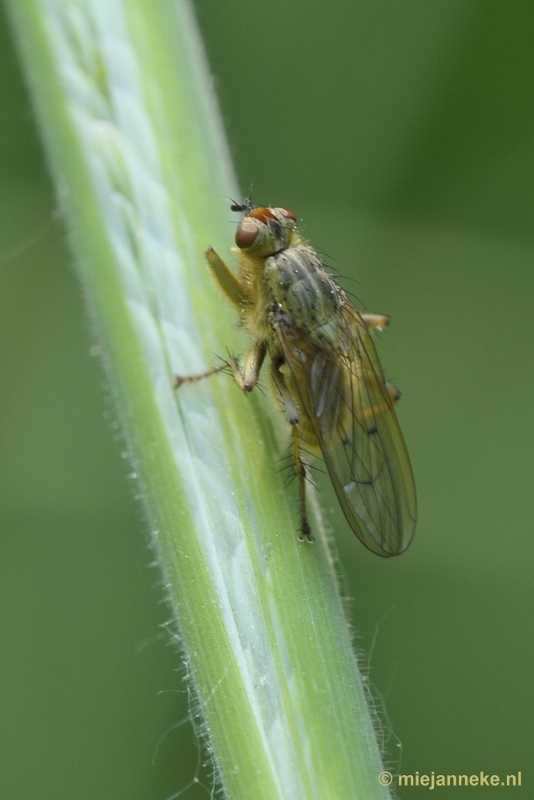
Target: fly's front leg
x: 299, y: 466
x: 232, y: 287
x: 237, y: 293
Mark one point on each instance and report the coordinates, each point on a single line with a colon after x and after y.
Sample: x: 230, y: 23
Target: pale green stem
x: 136, y: 148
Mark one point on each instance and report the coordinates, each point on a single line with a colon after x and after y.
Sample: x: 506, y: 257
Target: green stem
x: 135, y: 145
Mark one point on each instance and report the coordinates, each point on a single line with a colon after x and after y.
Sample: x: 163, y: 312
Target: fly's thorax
x: 305, y: 293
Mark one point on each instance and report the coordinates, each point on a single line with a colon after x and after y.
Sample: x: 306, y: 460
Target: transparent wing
x: 344, y: 393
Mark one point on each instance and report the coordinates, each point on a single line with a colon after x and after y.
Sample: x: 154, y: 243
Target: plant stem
x: 136, y: 148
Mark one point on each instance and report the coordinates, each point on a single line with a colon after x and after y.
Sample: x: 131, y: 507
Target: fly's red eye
x: 263, y: 214
x: 288, y: 214
x: 246, y: 234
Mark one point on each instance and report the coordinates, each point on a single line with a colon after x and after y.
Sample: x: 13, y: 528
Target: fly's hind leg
x: 277, y: 371
x: 393, y: 392
x: 300, y: 472
x: 394, y: 396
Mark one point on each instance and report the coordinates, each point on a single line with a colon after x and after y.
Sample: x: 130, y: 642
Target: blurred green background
x: 402, y: 134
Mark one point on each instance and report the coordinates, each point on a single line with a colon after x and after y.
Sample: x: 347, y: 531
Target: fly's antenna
x: 246, y: 206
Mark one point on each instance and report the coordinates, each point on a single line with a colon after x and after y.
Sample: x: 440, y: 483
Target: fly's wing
x: 343, y: 391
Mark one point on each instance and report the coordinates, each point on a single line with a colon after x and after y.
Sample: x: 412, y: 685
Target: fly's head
x: 263, y: 231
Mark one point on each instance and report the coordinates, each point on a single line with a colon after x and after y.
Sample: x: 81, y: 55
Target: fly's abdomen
x: 304, y: 292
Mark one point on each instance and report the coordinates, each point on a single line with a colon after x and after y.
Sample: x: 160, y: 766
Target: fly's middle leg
x: 376, y: 321
x: 181, y: 379
x: 245, y: 375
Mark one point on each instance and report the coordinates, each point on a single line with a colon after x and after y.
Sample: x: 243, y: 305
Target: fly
x: 325, y: 375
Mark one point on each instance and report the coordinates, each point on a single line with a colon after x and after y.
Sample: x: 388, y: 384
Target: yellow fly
x: 325, y: 374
